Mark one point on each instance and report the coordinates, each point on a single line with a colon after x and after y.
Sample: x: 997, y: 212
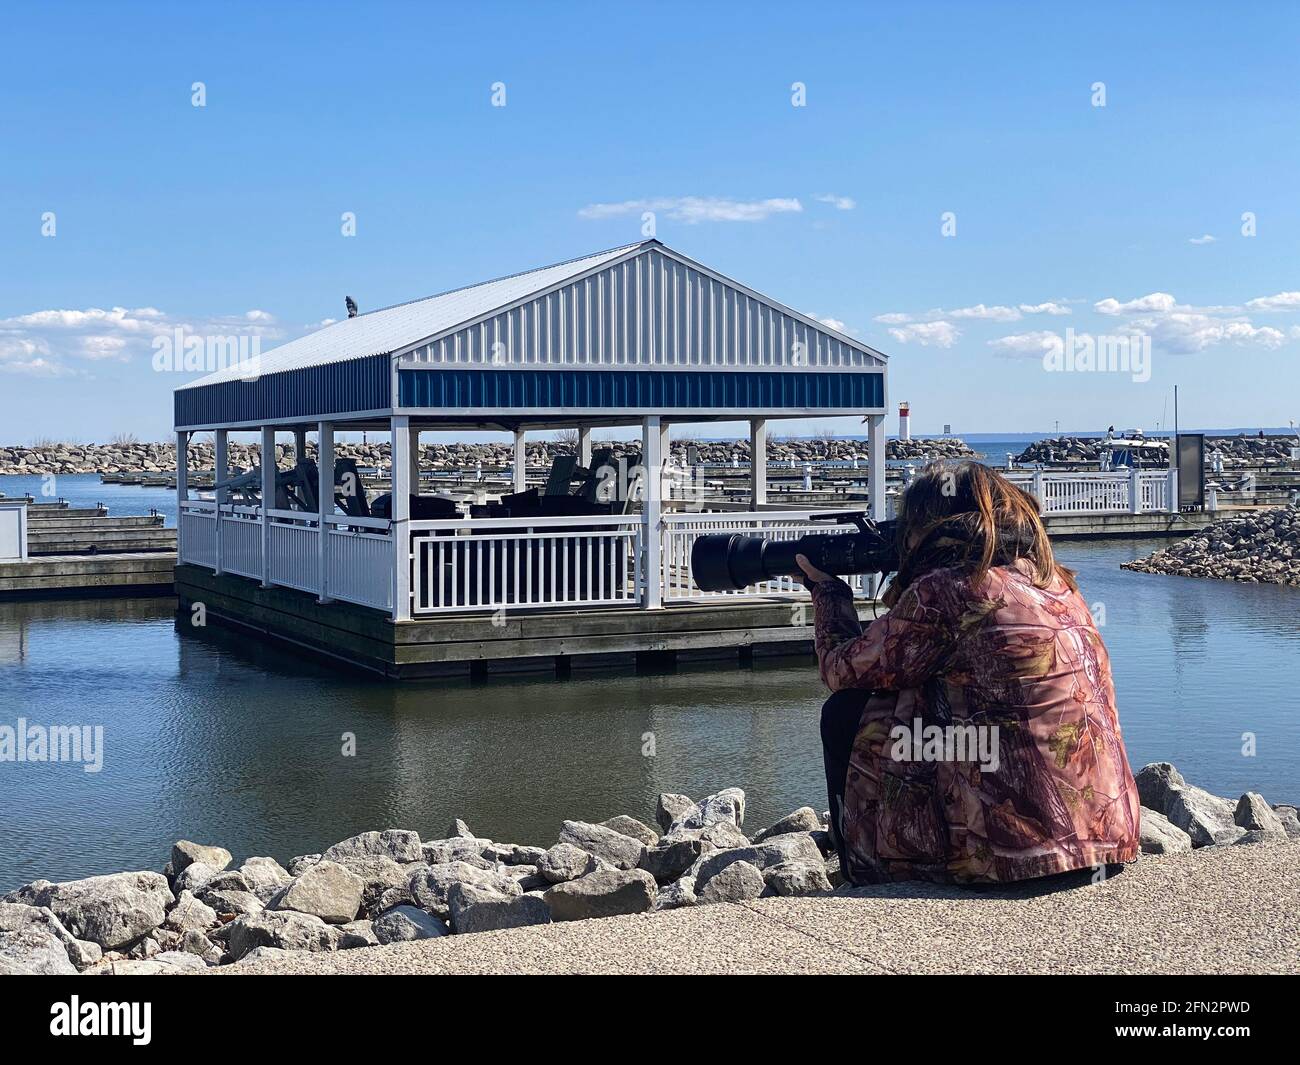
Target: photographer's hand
x: 812, y: 575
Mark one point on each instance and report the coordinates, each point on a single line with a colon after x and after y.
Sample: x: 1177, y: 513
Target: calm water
x: 213, y: 738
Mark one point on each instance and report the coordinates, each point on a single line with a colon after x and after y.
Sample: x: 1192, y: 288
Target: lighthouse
x: 904, y: 422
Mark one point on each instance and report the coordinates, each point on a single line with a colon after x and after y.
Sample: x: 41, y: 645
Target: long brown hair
x: 968, y: 515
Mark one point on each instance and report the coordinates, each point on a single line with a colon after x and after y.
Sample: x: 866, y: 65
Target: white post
x: 325, y: 502
x: 401, y: 528
x: 1134, y: 492
x: 521, y: 462
x: 758, y: 460
x: 182, y: 485
x: 652, y: 462
x: 268, y: 499
x: 584, y: 447
x: 1172, y: 489
x: 1036, y: 490
x: 221, y: 472
x: 876, y: 467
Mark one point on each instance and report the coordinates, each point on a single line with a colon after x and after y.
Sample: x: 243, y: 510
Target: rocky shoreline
x: 161, y: 457
x: 1238, y: 451
x: 390, y: 886
x: 1262, y: 547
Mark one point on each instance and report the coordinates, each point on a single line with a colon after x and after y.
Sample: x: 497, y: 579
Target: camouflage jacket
x: 1042, y: 783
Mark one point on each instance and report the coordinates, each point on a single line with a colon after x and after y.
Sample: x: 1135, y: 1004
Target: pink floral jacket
x: 1042, y: 784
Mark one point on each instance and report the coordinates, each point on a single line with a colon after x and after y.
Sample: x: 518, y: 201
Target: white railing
x: 487, y: 564
x: 680, y: 531
x: 241, y: 541
x: 294, y: 544
x: 1123, y: 492
x: 359, y: 561
x: 1154, y: 485
x: 197, y: 532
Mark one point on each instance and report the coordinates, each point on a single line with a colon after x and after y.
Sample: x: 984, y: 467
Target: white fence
x: 487, y: 564
x: 1123, y: 492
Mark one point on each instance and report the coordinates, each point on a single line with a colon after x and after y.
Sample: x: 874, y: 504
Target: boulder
x: 794, y: 847
x: 384, y: 881
x: 604, y: 893
x: 804, y: 819
x: 226, y: 903
x: 466, y: 849
x: 475, y: 908
x: 327, y: 890
x: 288, y: 930
x: 622, y: 852
x: 794, y: 879
x: 565, y: 862
x: 720, y: 836
x: 19, y: 917
x: 194, y: 876
x: 264, y: 876
x: 630, y: 826
x: 430, y: 888
x: 185, y: 853
x: 403, y: 924
x: 677, y: 894
x: 34, y: 951
x: 1207, y: 818
x: 459, y: 828
x: 1289, y: 817
x: 1155, y: 783
x: 196, y: 943
x: 1254, y: 814
x: 734, y: 882
x: 670, y: 807
x: 229, y: 880
x: 301, y: 863
x: 190, y: 913
x: 725, y: 805
x: 358, y: 934
x: 1160, y: 836
x: 524, y: 855
x: 111, y: 911
x: 667, y: 861
x: 399, y: 844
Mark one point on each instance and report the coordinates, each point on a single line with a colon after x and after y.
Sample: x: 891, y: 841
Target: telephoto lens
x: 730, y: 561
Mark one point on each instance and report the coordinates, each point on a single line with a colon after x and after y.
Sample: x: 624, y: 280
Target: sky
x: 986, y: 193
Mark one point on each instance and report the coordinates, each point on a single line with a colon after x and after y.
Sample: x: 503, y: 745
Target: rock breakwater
x: 1260, y: 547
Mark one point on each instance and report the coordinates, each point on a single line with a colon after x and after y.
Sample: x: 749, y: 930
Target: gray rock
x: 1289, y: 818
x: 720, y: 836
x: 33, y: 950
x: 604, y: 893
x: 300, y: 864
x: 1254, y: 814
x: 804, y: 819
x: 525, y: 855
x: 327, y: 890
x: 264, y: 876
x: 196, y: 943
x: 185, y: 853
x: 565, y: 862
x: 668, y: 861
x: 670, y: 807
x: 112, y: 911
x: 676, y: 895
x: 458, y: 849
x: 399, y: 844
x: 181, y: 960
x: 794, y: 847
x: 1255, y: 835
x: 1155, y: 783
x: 229, y: 880
x: 431, y: 888
x: 459, y: 828
x: 1205, y: 817
x: 19, y: 916
x: 622, y: 852
x: 225, y: 903
x: 725, y: 805
x: 384, y: 881
x: 287, y: 929
x: 795, y: 879
x: 358, y: 934
x: 630, y: 826
x: 475, y: 908
x: 734, y: 882
x: 194, y: 876
x: 1160, y: 836
x: 190, y: 914
x: 266, y: 954
x: 404, y: 924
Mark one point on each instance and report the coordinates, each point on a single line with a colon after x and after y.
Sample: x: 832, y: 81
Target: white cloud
x: 1045, y: 308
x: 1185, y: 333
x: 840, y: 203
x: 694, y: 209
x: 927, y: 334
x: 1035, y: 344
x: 1283, y: 301
x: 893, y: 318
x: 1159, y: 302
x: 979, y: 311
x: 992, y: 314
x: 259, y: 316
x: 1204, y: 239
x: 830, y: 323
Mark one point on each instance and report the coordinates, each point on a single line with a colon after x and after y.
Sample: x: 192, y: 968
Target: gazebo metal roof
x: 639, y: 329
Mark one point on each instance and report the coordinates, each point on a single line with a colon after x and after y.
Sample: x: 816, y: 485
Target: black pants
x: 841, y: 714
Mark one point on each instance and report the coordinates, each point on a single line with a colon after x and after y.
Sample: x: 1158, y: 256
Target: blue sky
x: 1068, y: 215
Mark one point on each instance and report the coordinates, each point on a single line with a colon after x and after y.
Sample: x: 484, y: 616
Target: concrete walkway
x: 1229, y: 910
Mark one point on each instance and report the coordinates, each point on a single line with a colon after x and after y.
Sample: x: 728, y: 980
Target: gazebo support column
x: 758, y: 460
x: 584, y: 447
x: 299, y: 443
x: 325, y: 501
x: 413, y: 461
x: 652, y: 463
x: 876, y: 467
x: 520, y: 462
x: 182, y: 483
x: 401, y: 521
x: 268, y: 499
x: 221, y: 465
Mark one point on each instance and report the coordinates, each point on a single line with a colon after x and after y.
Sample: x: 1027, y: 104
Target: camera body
x: 730, y: 561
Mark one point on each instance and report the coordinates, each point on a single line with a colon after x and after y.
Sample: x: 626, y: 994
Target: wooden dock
x: 109, y: 573
x: 521, y: 641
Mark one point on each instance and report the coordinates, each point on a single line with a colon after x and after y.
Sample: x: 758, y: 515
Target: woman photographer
x: 988, y: 639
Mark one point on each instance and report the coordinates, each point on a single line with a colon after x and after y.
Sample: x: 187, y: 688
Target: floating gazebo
x: 636, y: 336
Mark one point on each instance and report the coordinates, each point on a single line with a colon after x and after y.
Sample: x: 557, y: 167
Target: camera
x: 730, y: 561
